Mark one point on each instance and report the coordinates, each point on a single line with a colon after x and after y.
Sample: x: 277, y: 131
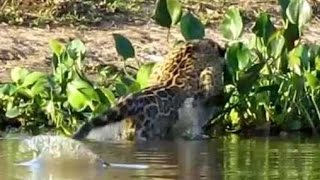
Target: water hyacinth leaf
x: 144, y: 73
x: 134, y: 87
x: 100, y: 109
x: 191, y: 27
x: 299, y: 58
x: 121, y: 89
x: 175, y: 10
x: 232, y: 25
x: 291, y: 34
x: 305, y: 55
x: 232, y: 59
x: 243, y: 55
x: 91, y: 94
x: 234, y: 117
x: 80, y: 94
x: 86, y: 88
x: 109, y: 94
x: 317, y: 62
x: 248, y: 78
x: 56, y: 46
x: 38, y: 87
x: 284, y: 4
x: 102, y: 98
x: 161, y: 14
x: 263, y: 27
x: 76, y: 99
x: 275, y: 44
x: 13, y: 112
x: 294, y: 64
x: 7, y: 89
x: 238, y: 56
x: 299, y: 12
x: 76, y: 49
x: 18, y: 74
x: 123, y: 46
x: 32, y: 78
x: 312, y: 80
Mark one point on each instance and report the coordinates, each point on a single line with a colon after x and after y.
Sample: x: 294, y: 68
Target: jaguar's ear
x: 222, y: 51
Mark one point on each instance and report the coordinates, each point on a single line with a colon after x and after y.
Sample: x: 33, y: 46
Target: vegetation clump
x: 271, y: 77
x: 76, y: 12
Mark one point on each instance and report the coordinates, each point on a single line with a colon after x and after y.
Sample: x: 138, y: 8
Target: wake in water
x: 59, y: 149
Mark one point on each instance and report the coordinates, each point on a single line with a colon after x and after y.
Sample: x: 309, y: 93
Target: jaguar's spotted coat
x: 191, y: 70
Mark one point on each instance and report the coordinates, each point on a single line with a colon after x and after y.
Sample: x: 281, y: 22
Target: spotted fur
x: 192, y: 70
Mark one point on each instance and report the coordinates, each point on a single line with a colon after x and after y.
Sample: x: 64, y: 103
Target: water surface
x: 229, y: 157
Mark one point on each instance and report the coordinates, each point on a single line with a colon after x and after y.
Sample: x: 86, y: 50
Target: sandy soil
x: 28, y: 47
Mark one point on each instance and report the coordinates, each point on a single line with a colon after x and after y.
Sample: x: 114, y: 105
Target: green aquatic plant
x: 273, y: 76
x: 64, y: 97
x: 270, y: 78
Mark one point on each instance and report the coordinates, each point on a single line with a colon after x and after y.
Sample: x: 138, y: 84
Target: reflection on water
x: 222, y: 158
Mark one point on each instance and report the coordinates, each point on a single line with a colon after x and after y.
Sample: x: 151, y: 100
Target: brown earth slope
x: 28, y: 47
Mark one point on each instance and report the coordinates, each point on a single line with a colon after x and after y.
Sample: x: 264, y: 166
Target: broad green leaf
x: 56, y: 46
x: 144, y: 73
x: 123, y: 46
x: 232, y: 25
x: 79, y: 84
x: 85, y: 88
x: 275, y: 44
x: 284, y: 4
x: 7, y: 89
x: 238, y: 56
x: 32, y: 78
x: 90, y: 93
x: 232, y: 59
x: 294, y: 64
x: 49, y: 108
x: 80, y: 94
x: 299, y: 12
x: 78, y: 46
x: 299, y: 58
x: 76, y: 99
x: 264, y: 27
x: 103, y: 99
x: 121, y: 89
x: 234, y: 117
x: 317, y: 63
x: 18, y: 74
x: 248, y: 78
x: 175, y: 10
x: 100, y: 109
x: 109, y: 94
x: 134, y: 87
x: 312, y: 80
x: 13, y: 112
x: 38, y: 87
x: 291, y: 34
x: 161, y: 14
x: 191, y: 27
x: 76, y: 49
x: 243, y: 55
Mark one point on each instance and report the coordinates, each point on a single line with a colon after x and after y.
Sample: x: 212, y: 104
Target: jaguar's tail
x: 128, y: 107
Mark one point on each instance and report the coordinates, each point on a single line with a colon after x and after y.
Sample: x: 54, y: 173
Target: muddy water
x: 229, y: 157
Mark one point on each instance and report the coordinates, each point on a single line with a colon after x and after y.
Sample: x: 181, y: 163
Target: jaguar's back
x: 191, y: 70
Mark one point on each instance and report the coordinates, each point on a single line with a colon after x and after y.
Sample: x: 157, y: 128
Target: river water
x: 230, y: 157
